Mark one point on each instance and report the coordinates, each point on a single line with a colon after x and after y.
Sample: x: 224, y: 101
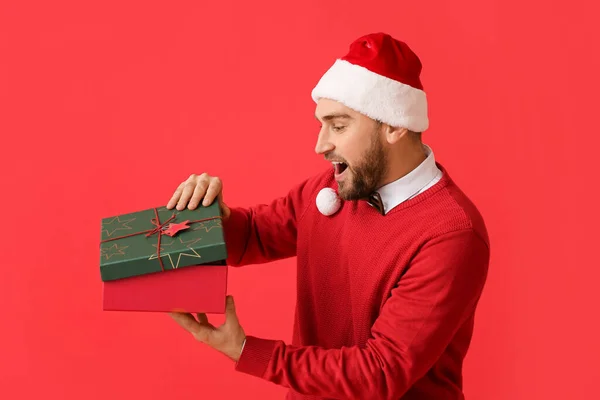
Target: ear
x: 395, y: 134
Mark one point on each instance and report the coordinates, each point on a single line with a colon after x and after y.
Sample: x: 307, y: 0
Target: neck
x: 403, y: 161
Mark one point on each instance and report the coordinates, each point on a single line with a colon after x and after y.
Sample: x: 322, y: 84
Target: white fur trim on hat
x: 374, y: 95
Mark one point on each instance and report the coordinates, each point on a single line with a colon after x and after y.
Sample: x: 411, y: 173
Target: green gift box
x: 159, y: 239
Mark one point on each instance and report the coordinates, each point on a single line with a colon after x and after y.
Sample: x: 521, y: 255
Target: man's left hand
x: 227, y: 338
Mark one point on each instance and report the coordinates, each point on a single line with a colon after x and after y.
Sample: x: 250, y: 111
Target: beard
x: 366, y: 174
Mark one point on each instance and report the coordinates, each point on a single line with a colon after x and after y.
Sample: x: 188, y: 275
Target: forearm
x: 372, y: 372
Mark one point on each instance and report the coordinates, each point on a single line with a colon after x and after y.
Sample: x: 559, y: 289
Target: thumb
x: 224, y: 208
x: 230, y: 313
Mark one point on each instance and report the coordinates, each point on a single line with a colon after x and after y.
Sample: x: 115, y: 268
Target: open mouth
x: 339, y: 167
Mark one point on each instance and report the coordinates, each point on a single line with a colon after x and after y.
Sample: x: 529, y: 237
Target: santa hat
x: 380, y: 78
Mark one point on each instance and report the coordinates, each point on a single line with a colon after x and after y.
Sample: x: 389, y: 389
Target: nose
x: 323, y: 144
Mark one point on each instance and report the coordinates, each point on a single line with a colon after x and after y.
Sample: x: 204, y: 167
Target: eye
x: 338, y: 128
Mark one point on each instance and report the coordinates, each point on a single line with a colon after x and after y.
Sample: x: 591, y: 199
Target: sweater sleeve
x: 438, y: 292
x: 268, y: 232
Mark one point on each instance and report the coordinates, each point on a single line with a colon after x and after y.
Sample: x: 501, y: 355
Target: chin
x: 349, y: 191
x: 346, y: 191
x: 347, y: 188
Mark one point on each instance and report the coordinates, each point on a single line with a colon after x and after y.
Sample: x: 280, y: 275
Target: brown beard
x: 367, y: 174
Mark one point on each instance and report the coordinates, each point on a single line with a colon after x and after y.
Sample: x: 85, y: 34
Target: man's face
x: 353, y: 143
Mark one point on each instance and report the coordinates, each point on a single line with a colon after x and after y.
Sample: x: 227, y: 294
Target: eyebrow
x: 329, y: 117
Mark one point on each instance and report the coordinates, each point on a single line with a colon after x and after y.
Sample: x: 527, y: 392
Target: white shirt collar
x: 415, y: 182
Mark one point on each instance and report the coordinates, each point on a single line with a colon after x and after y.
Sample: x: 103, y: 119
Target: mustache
x: 333, y: 157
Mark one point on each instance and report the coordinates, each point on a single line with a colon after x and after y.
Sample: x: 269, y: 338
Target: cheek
x: 352, y: 145
x: 348, y: 151
x: 353, y: 158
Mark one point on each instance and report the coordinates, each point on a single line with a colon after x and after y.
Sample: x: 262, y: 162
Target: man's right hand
x: 198, y: 188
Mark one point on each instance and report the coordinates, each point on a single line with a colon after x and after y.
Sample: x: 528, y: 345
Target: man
x: 392, y: 256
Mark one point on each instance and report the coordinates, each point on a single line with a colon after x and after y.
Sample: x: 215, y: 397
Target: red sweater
x: 385, y: 304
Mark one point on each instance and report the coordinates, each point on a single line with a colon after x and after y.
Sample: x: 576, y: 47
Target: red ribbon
x: 158, y: 228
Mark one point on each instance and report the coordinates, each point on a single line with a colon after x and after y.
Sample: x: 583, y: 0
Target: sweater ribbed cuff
x: 255, y: 356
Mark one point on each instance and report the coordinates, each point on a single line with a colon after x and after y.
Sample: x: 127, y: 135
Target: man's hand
x: 227, y: 338
x: 199, y: 187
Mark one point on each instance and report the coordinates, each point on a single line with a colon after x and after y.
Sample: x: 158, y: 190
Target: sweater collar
x: 411, y: 184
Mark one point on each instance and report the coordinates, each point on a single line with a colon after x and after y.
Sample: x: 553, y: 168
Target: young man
x: 392, y: 255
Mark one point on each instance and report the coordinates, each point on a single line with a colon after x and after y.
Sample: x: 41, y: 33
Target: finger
x: 224, y: 208
x: 199, y: 192
x: 189, y: 323
x: 214, y: 189
x: 175, y: 196
x: 220, y: 197
x: 188, y: 189
x: 185, y: 320
x: 230, y: 312
x: 202, y: 319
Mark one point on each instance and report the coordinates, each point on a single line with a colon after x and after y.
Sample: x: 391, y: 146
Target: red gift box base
x: 198, y: 289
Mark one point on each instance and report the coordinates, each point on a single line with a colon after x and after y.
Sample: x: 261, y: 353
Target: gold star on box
x: 162, y: 243
x: 190, y: 242
x: 164, y: 213
x: 208, y: 225
x: 116, y: 224
x: 113, y: 250
x: 175, y: 265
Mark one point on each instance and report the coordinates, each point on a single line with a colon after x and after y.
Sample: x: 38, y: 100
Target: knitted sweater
x: 385, y: 304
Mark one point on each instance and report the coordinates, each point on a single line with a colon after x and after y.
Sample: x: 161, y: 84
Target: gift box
x: 192, y: 289
x: 164, y: 260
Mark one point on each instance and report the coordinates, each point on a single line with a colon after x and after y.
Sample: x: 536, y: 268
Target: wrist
x: 237, y: 349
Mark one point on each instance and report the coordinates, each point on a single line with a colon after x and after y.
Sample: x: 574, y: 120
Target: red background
x: 106, y: 107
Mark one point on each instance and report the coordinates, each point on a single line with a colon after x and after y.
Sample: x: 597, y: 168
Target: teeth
x: 338, y: 166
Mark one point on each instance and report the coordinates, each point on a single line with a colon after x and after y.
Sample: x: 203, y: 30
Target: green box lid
x: 129, y: 242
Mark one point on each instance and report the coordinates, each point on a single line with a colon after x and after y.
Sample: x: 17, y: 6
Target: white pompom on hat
x: 328, y: 201
x: 380, y: 78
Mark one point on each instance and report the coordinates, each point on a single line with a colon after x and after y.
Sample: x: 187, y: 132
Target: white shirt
x: 415, y: 182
